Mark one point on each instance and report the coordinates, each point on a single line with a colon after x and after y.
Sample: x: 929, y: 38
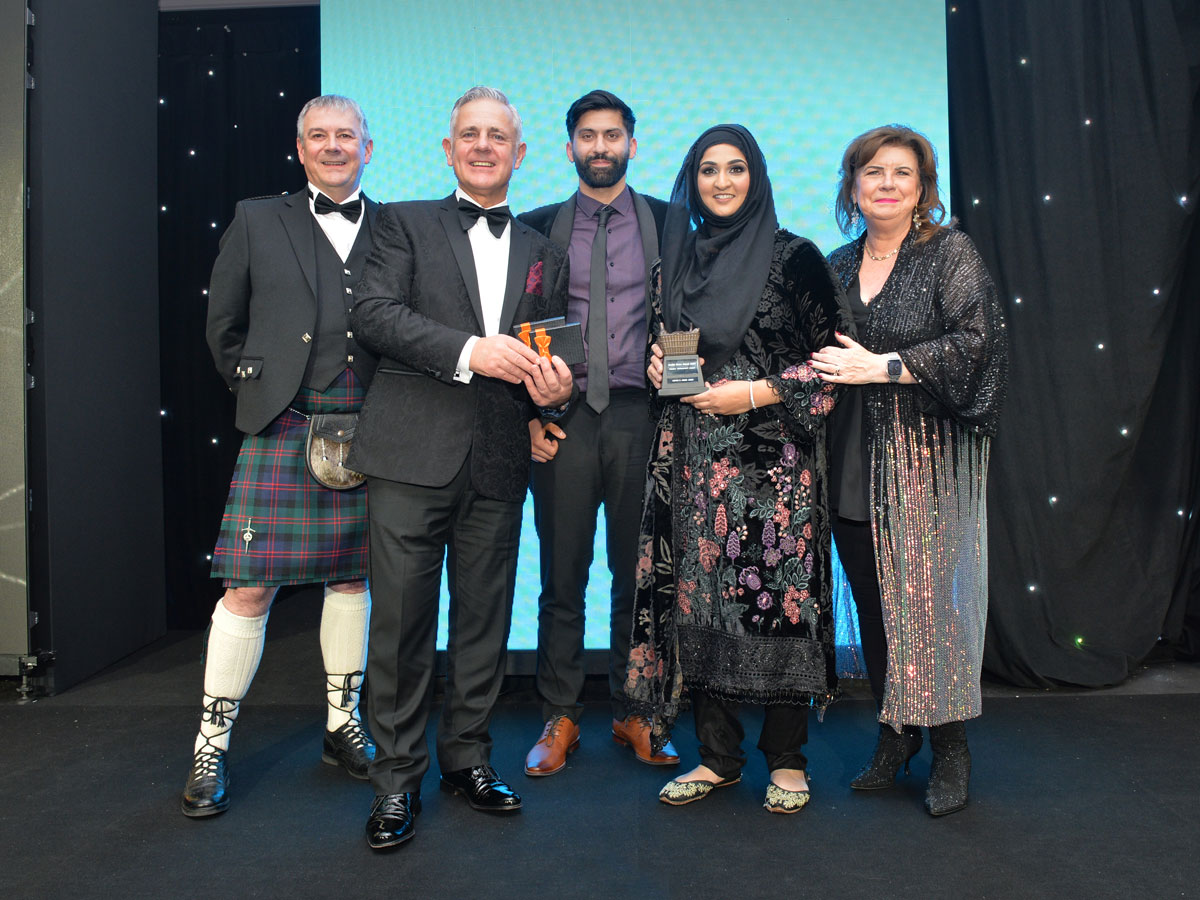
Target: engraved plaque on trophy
x: 681, y: 364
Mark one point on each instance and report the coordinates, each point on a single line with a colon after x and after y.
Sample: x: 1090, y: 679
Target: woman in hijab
x: 733, y: 601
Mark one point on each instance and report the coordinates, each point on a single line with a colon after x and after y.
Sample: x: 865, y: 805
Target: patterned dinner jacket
x: 415, y: 306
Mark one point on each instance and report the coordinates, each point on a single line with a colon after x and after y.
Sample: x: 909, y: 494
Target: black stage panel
x: 94, y: 428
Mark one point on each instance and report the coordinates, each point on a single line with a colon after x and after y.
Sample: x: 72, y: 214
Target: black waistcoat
x: 333, y: 347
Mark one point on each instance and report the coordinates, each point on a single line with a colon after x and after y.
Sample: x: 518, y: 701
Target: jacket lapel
x: 564, y: 223
x: 298, y: 223
x: 649, y: 231
x: 519, y: 246
x: 461, y: 245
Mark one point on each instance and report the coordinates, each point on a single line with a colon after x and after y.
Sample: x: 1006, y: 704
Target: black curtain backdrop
x: 230, y: 86
x: 1073, y: 143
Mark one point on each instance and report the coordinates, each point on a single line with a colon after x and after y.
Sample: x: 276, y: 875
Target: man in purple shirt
x: 597, y: 454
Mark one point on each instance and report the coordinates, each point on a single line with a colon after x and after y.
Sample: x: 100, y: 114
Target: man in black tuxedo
x: 611, y: 234
x: 444, y: 442
x: 278, y: 332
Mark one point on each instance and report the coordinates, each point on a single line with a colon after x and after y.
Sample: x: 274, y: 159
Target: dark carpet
x: 1073, y: 795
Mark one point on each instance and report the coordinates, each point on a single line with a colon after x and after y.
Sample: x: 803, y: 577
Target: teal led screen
x: 804, y: 76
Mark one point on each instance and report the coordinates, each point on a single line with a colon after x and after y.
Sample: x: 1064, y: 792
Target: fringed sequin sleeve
x: 813, y: 296
x: 965, y: 369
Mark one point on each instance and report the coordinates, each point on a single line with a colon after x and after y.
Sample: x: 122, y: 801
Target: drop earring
x: 855, y: 218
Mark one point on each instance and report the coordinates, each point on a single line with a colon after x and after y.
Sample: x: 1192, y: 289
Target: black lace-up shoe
x: 207, y: 790
x: 483, y: 789
x: 349, y: 747
x: 392, y: 820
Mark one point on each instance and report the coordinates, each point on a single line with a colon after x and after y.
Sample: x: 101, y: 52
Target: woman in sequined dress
x: 733, y: 596
x: 910, y: 453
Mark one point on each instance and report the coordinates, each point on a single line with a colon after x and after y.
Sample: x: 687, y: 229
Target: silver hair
x: 338, y: 102
x: 479, y: 92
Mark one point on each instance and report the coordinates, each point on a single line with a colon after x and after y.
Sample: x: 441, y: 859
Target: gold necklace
x: 879, y: 258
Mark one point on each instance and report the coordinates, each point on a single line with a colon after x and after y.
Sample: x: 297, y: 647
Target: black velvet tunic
x: 733, y: 593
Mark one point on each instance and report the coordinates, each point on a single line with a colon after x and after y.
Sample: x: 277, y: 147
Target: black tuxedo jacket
x: 262, y: 303
x: 415, y: 306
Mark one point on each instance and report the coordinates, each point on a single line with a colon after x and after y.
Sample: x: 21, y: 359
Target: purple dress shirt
x: 626, y: 288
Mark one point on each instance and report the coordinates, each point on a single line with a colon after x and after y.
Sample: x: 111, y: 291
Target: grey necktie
x: 597, y: 334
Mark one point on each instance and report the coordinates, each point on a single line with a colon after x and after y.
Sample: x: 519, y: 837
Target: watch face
x: 894, y: 369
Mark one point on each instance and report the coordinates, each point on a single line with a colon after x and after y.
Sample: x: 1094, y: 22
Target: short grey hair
x: 480, y: 92
x: 338, y: 102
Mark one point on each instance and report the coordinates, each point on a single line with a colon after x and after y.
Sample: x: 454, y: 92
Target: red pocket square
x: 533, y: 281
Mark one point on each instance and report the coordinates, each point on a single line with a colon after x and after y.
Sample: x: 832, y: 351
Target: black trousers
x: 411, y: 530
x: 784, y: 732
x: 602, y: 461
x: 856, y: 550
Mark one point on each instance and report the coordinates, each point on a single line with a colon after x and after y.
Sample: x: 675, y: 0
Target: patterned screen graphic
x: 804, y: 76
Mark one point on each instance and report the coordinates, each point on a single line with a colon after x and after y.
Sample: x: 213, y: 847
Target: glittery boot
x: 892, y: 751
x: 951, y: 769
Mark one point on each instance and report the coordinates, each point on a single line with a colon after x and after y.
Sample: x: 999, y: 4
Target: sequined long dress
x: 733, y: 591
x: 929, y: 445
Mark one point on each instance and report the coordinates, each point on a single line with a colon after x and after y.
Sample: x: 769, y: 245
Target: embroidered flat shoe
x: 680, y: 793
x: 780, y: 800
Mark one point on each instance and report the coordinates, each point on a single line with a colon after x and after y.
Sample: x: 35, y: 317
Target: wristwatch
x: 895, y: 367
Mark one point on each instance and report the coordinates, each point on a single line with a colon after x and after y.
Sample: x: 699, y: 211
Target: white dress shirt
x: 342, y: 233
x: 491, y: 271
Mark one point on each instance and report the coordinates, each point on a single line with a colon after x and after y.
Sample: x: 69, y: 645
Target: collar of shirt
x: 313, y: 190
x: 341, y: 232
x: 622, y: 204
x: 460, y: 194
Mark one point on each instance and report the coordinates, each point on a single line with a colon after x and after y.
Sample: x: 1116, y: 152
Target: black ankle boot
x: 891, y: 752
x: 951, y: 769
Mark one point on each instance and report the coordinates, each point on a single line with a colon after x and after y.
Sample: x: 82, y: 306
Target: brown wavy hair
x: 931, y: 214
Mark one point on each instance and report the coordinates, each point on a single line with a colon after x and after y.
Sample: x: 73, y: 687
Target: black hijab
x: 714, y: 275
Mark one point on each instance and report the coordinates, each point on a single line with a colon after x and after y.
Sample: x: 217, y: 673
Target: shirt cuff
x: 462, y: 371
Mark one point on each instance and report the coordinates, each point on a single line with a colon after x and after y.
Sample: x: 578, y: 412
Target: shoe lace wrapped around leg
x: 346, y: 686
x: 218, y: 712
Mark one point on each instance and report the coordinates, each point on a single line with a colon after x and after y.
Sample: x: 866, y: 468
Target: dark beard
x: 602, y: 178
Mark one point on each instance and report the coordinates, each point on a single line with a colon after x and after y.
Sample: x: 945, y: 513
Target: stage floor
x: 1074, y: 794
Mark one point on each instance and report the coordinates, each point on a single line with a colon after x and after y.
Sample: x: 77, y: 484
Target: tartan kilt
x: 300, y: 531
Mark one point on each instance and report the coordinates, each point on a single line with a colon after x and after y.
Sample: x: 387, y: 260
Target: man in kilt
x: 279, y: 334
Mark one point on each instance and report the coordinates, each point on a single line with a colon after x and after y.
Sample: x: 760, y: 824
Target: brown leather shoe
x: 549, y: 754
x: 635, y: 732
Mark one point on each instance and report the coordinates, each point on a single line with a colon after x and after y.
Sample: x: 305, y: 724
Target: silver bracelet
x: 752, y: 403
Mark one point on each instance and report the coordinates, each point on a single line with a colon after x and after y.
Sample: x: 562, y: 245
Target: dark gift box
x: 553, y: 337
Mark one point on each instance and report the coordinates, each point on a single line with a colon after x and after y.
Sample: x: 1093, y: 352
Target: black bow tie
x: 497, y: 217
x: 351, y: 210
